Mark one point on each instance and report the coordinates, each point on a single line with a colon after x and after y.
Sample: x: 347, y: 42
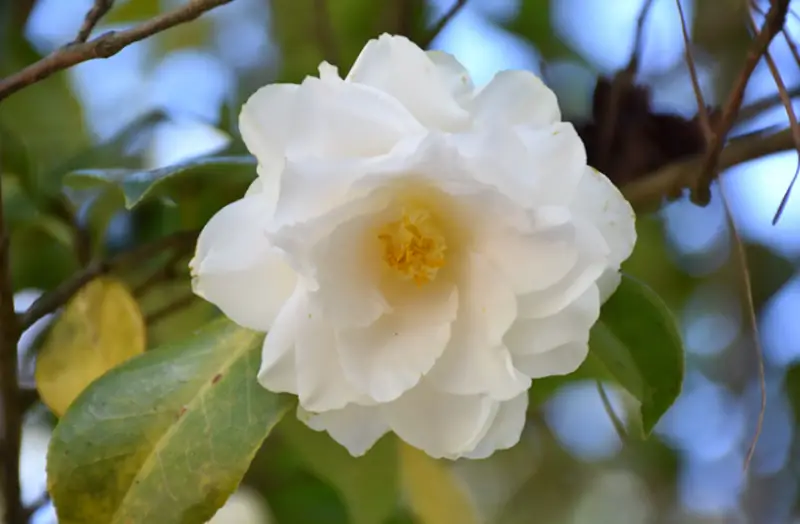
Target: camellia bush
x: 400, y: 260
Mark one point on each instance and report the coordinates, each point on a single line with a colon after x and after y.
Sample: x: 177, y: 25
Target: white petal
x: 310, y: 188
x: 236, y: 269
x: 571, y: 324
x: 558, y: 157
x: 454, y: 74
x: 321, y: 383
x: 355, y: 427
x: 601, y: 203
x: 278, y: 372
x: 536, y: 260
x: 348, y: 276
x: 533, y: 166
x: 505, y: 429
x: 398, y: 67
x: 329, y: 72
x: 440, y: 424
x: 389, y: 357
x: 265, y: 121
x: 608, y: 283
x: 322, y: 118
x: 561, y: 360
x: 592, y: 262
x: 516, y: 97
x: 256, y: 187
x: 476, y: 361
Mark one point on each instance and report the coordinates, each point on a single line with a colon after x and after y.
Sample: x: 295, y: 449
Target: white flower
x: 417, y: 249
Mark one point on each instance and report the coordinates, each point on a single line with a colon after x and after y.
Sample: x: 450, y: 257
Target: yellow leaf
x: 100, y: 328
x: 435, y: 494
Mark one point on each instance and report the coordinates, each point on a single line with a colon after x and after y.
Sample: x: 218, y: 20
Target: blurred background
x: 177, y: 96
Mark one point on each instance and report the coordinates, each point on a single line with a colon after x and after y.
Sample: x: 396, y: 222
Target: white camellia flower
x: 417, y: 249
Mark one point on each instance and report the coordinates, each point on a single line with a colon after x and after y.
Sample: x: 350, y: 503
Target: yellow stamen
x: 413, y: 246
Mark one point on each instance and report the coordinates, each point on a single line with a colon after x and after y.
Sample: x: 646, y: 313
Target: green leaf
x: 367, y: 484
x: 38, y: 260
x: 303, y: 498
x: 638, y: 343
x: 122, y: 150
x: 18, y: 207
x: 165, y: 437
x: 45, y: 117
x: 435, y: 494
x: 99, y: 328
x: 13, y: 155
x: 135, y: 186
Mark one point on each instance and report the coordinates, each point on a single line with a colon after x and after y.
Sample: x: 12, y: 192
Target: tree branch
x: 51, y: 301
x: 647, y: 193
x: 11, y: 423
x: 773, y: 24
x: 98, y: 11
x: 103, y: 46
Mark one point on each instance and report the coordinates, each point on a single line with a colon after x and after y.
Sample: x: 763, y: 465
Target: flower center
x: 413, y: 246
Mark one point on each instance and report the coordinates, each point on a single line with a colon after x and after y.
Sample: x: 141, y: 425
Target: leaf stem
x: 104, y: 46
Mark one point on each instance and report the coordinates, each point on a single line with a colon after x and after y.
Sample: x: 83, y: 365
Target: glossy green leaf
x: 38, y: 260
x: 138, y: 185
x: 367, y: 484
x: 46, y: 117
x: 124, y: 149
x: 638, y: 342
x: 14, y: 157
x: 165, y: 437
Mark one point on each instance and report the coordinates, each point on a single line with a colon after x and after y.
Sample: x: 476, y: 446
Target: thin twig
x: 442, y: 23
x: 773, y: 24
x: 636, y: 54
x: 98, y: 11
x: 323, y: 28
x: 11, y: 428
x: 755, y: 108
x: 51, y: 301
x: 795, y: 129
x: 104, y: 46
x: 705, y: 122
x: 744, y: 270
x: 741, y: 254
x: 619, y: 427
x: 173, y: 307
x: 786, y: 99
x: 711, y: 136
